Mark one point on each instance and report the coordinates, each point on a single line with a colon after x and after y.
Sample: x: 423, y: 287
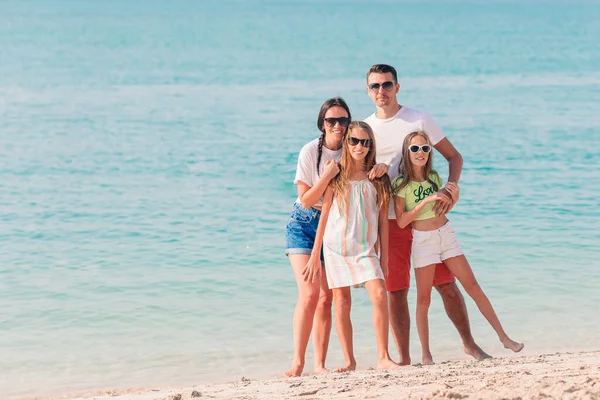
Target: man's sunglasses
x: 387, y: 86
x: 363, y: 142
x: 414, y: 148
x: 343, y: 121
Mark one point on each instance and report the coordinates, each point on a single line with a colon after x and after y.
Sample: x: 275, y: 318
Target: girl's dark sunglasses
x: 387, y: 86
x: 343, y: 121
x: 414, y: 148
x: 363, y: 142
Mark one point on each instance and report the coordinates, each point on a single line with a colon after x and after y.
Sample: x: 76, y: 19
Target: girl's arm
x: 310, y: 195
x: 383, y: 238
x: 313, y: 268
x: 404, y: 218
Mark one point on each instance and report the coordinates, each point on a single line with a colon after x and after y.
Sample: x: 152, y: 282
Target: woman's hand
x: 331, y: 169
x: 312, y: 270
x: 378, y: 171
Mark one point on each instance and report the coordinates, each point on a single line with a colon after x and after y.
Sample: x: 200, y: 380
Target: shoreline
x: 566, y: 375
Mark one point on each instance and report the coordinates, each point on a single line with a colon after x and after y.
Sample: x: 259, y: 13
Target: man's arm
x: 455, y: 163
x: 455, y: 160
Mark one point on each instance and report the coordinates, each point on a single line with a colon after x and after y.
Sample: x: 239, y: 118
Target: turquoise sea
x: 148, y: 149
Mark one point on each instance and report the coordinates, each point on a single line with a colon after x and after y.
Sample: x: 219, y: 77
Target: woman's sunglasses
x: 363, y: 142
x: 387, y: 86
x: 414, y: 148
x: 343, y: 121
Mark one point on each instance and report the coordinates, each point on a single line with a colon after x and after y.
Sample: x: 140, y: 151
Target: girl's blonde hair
x: 405, y: 169
x: 339, y: 184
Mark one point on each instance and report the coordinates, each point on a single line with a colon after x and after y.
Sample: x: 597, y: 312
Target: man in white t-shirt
x: 391, y: 123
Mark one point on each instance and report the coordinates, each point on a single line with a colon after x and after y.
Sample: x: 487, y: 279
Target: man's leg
x: 397, y: 284
x: 400, y: 323
x: 455, y: 306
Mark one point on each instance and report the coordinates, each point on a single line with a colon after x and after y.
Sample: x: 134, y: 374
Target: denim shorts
x: 301, y: 230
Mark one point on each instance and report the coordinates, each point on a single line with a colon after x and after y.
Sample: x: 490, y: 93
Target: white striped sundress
x: 350, y: 237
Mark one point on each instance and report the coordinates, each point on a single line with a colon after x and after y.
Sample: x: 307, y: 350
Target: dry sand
x: 549, y: 376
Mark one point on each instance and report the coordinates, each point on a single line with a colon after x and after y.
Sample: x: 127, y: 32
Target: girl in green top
x: 416, y: 191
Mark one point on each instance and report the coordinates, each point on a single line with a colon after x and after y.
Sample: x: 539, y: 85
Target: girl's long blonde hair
x: 405, y: 169
x: 339, y: 184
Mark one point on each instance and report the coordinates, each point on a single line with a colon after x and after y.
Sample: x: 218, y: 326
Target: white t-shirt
x: 307, y: 164
x: 390, y: 134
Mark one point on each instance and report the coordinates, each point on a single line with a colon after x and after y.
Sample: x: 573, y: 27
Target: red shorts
x: 399, y: 248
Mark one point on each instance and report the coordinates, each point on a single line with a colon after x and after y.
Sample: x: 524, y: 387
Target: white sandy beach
x: 554, y: 376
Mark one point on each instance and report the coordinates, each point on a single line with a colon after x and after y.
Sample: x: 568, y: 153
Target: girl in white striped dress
x: 353, y: 231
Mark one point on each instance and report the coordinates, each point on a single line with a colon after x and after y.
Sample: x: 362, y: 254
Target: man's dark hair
x: 383, y: 69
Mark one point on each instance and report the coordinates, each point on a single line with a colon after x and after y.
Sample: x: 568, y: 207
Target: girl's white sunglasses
x: 414, y: 148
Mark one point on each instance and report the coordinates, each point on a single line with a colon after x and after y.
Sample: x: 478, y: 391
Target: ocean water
x: 148, y: 149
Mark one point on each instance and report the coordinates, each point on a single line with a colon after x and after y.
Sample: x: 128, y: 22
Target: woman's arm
x: 404, y: 218
x: 313, y: 268
x: 310, y: 195
x: 383, y: 238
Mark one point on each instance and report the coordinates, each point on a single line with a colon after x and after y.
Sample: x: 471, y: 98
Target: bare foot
x: 387, y: 363
x: 512, y: 345
x: 321, y: 370
x: 295, y: 371
x: 428, y: 360
x: 348, y: 367
x: 404, y: 361
x: 476, y: 352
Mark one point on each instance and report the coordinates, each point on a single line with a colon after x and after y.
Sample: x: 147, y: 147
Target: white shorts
x: 433, y: 247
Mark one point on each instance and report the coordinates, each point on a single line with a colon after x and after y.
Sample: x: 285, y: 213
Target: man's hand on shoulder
x: 378, y: 171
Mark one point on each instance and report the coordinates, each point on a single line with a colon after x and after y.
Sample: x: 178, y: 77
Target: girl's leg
x: 424, y: 278
x: 343, y: 326
x: 460, y: 267
x: 322, y: 326
x: 378, y: 295
x: 308, y: 295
